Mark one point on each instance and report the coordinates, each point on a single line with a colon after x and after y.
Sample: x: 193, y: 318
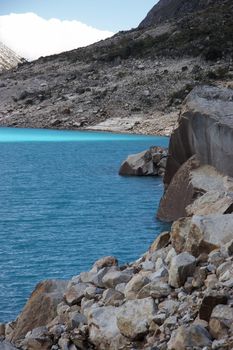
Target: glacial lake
x: 63, y: 206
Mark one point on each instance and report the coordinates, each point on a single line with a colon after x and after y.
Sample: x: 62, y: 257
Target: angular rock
x: 42, y: 303
x: 103, y: 330
x: 160, y: 242
x: 145, y: 163
x: 192, y: 337
x: 112, y: 297
x: 74, y: 294
x: 201, y: 234
x: 134, y: 317
x: 106, y: 261
x: 135, y: 285
x: 212, y: 202
x: 111, y: 279
x: 38, y: 338
x: 96, y: 277
x: 220, y: 321
x: 210, y: 300
x: 155, y: 289
x: 182, y: 267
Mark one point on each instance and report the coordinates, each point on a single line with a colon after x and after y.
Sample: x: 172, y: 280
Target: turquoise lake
x: 63, y: 205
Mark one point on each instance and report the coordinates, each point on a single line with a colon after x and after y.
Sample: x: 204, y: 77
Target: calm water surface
x: 63, y: 205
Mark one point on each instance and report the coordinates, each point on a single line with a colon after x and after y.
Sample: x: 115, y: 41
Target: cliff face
x: 170, y: 9
x: 206, y: 131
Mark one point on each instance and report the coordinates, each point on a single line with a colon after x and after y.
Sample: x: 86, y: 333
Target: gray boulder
x: 146, y: 163
x: 182, y: 267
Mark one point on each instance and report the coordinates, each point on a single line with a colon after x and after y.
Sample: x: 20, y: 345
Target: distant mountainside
x: 171, y: 9
x: 8, y: 58
x: 134, y: 81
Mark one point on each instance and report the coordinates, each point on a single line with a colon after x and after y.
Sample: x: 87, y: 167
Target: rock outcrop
x: 147, y: 163
x: 200, y: 156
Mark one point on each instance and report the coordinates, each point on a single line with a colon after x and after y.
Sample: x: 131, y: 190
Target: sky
x: 34, y: 28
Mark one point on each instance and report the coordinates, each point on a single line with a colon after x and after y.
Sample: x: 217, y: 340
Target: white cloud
x: 31, y: 36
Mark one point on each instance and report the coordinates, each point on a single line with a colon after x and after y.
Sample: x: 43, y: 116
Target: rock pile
x: 147, y: 163
x: 177, y: 296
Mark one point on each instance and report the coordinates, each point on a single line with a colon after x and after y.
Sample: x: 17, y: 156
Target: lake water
x: 63, y: 205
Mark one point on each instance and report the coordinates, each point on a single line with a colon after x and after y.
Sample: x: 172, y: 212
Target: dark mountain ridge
x: 173, y: 9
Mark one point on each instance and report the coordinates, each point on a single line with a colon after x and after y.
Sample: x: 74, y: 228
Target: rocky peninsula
x: 178, y: 295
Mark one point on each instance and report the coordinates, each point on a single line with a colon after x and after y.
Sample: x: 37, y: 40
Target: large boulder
x: 147, y: 163
x: 205, y: 130
x: 201, y: 234
x: 41, y: 307
x: 103, y: 330
x: 134, y: 317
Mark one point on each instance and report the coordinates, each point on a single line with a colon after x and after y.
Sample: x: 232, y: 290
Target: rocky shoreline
x: 179, y: 294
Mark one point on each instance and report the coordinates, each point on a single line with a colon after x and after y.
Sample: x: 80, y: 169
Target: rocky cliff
x: 205, y: 130
x: 132, y: 82
x: 8, y: 58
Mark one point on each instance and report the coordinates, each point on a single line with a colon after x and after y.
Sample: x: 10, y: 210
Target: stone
x: 160, y: 242
x: 210, y: 300
x: 38, y: 338
x: 192, y: 337
x: 74, y: 294
x: 201, y: 234
x: 212, y: 202
x: 106, y: 261
x: 112, y: 297
x: 155, y: 289
x: 135, y: 285
x: 93, y: 292
x: 220, y: 321
x: 5, y: 345
x: 75, y: 319
x: 134, y: 317
x: 103, y: 330
x: 144, y: 163
x: 42, y: 303
x: 111, y: 279
x: 96, y: 277
x: 182, y: 267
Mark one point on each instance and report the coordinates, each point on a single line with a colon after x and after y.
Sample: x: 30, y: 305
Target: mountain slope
x: 8, y: 58
x: 171, y: 9
x: 134, y: 81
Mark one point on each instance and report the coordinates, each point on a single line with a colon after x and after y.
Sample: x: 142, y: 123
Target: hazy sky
x: 35, y: 28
